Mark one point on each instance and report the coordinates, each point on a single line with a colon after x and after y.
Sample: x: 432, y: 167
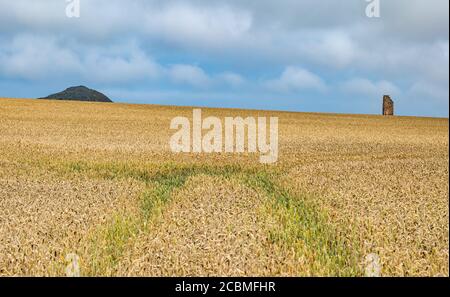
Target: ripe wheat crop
x: 100, y: 181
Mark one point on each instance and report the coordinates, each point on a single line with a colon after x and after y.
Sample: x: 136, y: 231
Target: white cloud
x: 184, y: 22
x: 231, y: 79
x: 363, y: 86
x: 130, y: 66
x: 332, y: 48
x: 32, y: 57
x: 295, y: 78
x: 188, y: 74
x: 416, y: 20
x: 42, y: 57
x: 197, y: 77
x: 198, y: 26
x: 428, y: 91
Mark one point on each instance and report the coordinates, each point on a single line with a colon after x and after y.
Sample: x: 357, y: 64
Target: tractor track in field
x: 212, y: 227
x: 207, y: 221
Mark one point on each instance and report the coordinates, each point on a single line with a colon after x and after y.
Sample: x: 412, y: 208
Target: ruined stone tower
x: 388, y: 106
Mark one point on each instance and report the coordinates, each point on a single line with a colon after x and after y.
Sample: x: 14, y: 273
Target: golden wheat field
x: 100, y: 181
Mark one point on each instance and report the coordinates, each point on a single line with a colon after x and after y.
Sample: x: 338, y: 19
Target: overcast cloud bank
x: 291, y: 54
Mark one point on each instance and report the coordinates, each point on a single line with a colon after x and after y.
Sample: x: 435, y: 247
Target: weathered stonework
x: 388, y: 106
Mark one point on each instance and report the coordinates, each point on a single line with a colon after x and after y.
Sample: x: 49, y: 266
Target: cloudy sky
x: 301, y: 55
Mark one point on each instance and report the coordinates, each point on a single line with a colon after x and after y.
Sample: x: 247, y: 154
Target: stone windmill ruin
x: 388, y: 106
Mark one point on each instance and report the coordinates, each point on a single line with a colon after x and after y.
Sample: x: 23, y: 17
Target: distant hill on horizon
x: 80, y: 93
